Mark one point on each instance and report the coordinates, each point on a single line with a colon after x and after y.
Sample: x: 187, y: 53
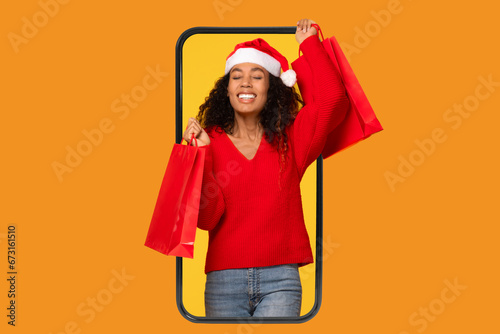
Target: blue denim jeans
x: 273, y: 291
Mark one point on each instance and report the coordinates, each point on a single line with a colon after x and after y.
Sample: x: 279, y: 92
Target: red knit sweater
x: 251, y: 221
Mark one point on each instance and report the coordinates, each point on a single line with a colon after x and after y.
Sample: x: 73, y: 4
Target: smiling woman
x: 255, y: 221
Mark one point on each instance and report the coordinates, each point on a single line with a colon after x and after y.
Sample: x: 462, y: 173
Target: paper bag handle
x: 192, y: 137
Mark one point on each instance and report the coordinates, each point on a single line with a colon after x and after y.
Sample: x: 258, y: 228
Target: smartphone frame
x: 319, y: 187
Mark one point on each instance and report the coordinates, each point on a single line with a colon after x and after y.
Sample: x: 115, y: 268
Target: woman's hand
x: 200, y: 134
x: 304, y: 30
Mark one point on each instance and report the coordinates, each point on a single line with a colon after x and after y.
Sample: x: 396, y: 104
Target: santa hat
x: 261, y: 53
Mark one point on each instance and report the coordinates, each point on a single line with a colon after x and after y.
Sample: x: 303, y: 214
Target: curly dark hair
x: 282, y: 106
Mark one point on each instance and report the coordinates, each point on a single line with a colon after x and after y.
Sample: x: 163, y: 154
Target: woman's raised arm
x: 329, y: 104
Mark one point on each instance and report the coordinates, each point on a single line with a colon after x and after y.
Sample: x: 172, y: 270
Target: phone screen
x: 200, y: 60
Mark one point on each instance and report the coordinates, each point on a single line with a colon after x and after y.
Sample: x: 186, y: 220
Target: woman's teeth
x: 246, y: 96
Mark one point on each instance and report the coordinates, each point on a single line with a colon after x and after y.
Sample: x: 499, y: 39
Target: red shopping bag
x: 360, y: 121
x: 173, y: 227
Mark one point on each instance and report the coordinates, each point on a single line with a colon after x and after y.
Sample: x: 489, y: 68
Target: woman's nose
x: 246, y: 82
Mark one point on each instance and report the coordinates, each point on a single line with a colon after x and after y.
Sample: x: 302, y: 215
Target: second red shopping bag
x: 360, y: 121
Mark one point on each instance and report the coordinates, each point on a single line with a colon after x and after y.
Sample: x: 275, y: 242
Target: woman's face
x: 247, y: 88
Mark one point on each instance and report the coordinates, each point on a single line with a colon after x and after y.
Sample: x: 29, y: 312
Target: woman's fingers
x: 191, y: 121
x: 304, y: 25
x: 304, y: 30
x: 300, y: 25
x: 195, y: 127
x: 308, y: 25
x: 190, y: 129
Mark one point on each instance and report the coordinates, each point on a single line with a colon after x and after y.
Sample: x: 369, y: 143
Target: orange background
x: 394, y: 248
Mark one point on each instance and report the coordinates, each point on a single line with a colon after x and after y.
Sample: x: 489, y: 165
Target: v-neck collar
x: 239, y: 152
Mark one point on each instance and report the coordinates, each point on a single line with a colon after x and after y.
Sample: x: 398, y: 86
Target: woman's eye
x: 237, y: 78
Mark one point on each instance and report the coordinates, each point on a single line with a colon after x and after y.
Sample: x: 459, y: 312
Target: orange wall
x: 410, y: 214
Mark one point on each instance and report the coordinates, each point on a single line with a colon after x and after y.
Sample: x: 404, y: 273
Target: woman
x: 258, y: 147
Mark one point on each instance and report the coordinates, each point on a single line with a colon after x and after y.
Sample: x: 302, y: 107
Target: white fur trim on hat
x: 289, y: 78
x: 251, y: 55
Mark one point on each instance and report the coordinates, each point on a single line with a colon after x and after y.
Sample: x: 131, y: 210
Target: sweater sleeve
x: 212, y: 203
x: 327, y: 110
